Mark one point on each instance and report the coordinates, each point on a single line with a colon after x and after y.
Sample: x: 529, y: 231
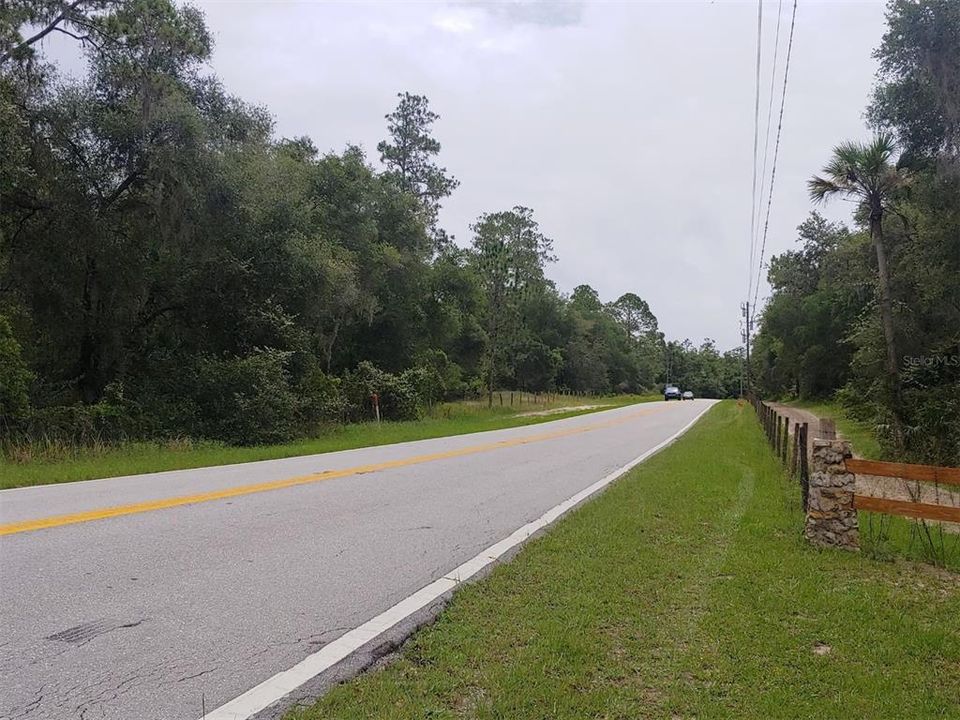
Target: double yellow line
x: 164, y: 503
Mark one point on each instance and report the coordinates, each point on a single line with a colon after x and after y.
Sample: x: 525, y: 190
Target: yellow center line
x: 164, y: 503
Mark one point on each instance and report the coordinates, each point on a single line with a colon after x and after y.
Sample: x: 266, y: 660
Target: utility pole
x: 666, y: 348
x: 748, y: 330
x: 742, y: 364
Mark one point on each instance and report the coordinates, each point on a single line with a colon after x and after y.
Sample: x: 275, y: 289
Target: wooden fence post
x: 786, y: 440
x: 804, y: 466
x: 795, y: 460
x: 828, y: 429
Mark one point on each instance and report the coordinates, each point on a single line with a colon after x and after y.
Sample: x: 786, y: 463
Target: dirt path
x: 558, y: 410
x: 796, y: 415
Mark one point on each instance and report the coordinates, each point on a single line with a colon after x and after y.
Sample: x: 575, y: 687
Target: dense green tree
x: 509, y: 255
x: 920, y: 77
x: 634, y: 315
x: 14, y: 376
x: 803, y: 346
x: 821, y: 332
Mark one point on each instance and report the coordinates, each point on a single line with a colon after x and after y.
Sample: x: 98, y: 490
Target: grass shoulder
x: 58, y: 465
x: 684, y: 590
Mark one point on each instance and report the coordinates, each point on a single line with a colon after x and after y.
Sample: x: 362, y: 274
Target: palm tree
x: 863, y: 172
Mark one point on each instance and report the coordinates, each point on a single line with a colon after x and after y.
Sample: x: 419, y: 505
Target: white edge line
x: 269, y: 691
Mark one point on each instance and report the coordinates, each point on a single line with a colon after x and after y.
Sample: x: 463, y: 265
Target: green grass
x: 888, y: 536
x: 42, y: 466
x: 683, y: 591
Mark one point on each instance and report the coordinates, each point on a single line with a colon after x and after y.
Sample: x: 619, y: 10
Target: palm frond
x: 821, y: 189
x: 849, y: 154
x: 840, y: 171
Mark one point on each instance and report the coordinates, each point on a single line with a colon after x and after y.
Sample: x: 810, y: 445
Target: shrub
x: 321, y: 397
x: 426, y: 382
x: 399, y: 399
x: 246, y: 400
x: 445, y: 375
x: 15, y: 378
x: 81, y: 425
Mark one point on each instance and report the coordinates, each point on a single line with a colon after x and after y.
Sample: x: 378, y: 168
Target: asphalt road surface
x: 207, y: 582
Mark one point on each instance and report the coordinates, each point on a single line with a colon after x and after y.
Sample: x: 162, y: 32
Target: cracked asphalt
x: 161, y: 615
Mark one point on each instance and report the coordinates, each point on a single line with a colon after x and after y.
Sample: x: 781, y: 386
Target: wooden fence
x: 795, y: 455
x: 506, y: 397
x: 791, y: 447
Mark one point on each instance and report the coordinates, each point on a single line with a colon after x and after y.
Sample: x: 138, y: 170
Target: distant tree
x: 509, y: 253
x: 802, y: 345
x: 586, y: 301
x: 634, y: 315
x: 409, y: 156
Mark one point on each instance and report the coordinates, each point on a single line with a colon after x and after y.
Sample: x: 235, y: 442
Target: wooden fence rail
x: 922, y: 473
x: 912, y: 473
x: 904, y: 508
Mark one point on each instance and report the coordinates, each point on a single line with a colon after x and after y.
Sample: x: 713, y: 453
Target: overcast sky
x: 627, y: 127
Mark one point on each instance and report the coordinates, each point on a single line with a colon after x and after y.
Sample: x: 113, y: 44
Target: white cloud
x: 456, y: 22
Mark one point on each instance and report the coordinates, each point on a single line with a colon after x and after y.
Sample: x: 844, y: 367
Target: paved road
x: 167, y: 608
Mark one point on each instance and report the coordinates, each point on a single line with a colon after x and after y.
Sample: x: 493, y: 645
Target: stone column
x: 831, y: 516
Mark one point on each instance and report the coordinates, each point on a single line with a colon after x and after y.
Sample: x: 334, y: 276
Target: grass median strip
x: 133, y: 458
x: 683, y: 591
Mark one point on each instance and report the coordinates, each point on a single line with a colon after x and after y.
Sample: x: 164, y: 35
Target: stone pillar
x: 831, y: 516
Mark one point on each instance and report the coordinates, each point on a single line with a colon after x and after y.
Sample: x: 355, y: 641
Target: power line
x: 754, y: 215
x: 766, y: 143
x: 754, y: 207
x: 776, y: 151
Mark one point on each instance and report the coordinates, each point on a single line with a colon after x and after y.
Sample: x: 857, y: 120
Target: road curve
x: 161, y: 596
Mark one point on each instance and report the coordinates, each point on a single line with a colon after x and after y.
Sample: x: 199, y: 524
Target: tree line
x: 168, y: 266
x: 871, y: 313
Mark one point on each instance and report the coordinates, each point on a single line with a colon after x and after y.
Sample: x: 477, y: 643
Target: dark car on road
x: 672, y: 392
